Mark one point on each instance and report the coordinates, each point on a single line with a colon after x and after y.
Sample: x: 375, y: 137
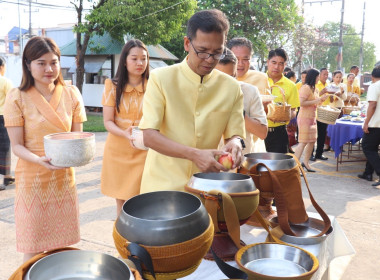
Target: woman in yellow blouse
x: 5, y: 148
x: 353, y: 91
x: 122, y: 109
x: 46, y: 201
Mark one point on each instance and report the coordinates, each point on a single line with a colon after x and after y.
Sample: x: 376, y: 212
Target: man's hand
x: 206, y: 161
x: 365, y: 128
x: 234, y: 147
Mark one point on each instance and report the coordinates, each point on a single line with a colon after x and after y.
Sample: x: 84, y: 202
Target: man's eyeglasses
x: 205, y: 55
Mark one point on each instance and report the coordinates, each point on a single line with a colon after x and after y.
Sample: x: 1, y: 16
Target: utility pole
x: 30, y: 18
x: 340, y: 50
x: 361, y: 43
x: 19, y: 30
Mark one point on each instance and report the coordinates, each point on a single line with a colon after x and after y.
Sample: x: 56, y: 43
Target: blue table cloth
x: 343, y: 132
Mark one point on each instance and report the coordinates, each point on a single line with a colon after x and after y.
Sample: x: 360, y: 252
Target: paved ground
x: 354, y: 202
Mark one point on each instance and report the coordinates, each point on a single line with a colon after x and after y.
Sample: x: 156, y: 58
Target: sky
x: 317, y: 13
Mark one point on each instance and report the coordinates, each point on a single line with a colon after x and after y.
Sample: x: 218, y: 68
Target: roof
x: 14, y: 33
x: 106, y: 45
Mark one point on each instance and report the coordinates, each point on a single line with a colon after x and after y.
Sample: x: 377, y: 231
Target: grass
x: 94, y: 123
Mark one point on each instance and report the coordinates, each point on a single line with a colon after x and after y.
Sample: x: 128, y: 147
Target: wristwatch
x: 241, y: 142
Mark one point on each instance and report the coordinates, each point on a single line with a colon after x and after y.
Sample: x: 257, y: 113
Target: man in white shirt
x: 371, y: 128
x: 255, y: 119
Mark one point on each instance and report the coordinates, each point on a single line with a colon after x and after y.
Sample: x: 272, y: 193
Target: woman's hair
x: 121, y: 78
x: 336, y: 72
x: 350, y: 74
x: 311, y: 77
x: 34, y: 49
x: 2, y: 61
x: 290, y: 74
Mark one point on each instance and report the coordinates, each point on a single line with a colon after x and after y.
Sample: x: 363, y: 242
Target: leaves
x: 326, y: 54
x: 148, y: 20
x: 267, y: 23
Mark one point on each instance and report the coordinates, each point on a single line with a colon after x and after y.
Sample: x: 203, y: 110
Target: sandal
x: 9, y: 180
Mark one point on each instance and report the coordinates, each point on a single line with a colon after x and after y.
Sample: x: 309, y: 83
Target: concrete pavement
x: 354, y: 202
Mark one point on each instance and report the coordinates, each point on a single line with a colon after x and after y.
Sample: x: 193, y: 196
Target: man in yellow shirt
x: 277, y: 139
x: 321, y: 127
x: 189, y: 107
x: 242, y: 49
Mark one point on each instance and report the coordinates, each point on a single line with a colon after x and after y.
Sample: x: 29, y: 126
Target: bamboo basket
x: 348, y: 103
x: 279, y: 113
x: 328, y: 116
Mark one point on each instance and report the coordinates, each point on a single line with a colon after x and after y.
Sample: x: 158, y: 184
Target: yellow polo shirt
x: 191, y: 112
x: 319, y: 86
x: 291, y: 95
x: 258, y: 79
x: 5, y: 86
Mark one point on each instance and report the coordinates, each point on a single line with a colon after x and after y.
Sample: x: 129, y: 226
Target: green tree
x: 326, y: 54
x: 302, y: 44
x: 267, y: 23
x: 149, y: 20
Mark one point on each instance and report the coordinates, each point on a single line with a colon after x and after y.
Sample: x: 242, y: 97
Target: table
x: 341, y: 133
x: 335, y: 245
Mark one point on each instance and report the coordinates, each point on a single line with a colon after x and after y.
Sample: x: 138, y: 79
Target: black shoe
x: 327, y: 150
x: 308, y: 170
x: 321, y: 157
x: 9, y: 181
x: 376, y: 184
x: 312, y: 158
x: 364, y: 176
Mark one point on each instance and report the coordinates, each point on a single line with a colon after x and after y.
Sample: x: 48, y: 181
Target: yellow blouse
x: 5, y: 86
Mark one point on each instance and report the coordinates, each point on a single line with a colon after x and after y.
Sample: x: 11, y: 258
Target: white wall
x: 14, y: 69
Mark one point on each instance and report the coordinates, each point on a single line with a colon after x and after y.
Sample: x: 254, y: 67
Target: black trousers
x: 277, y: 140
x: 370, y: 145
x: 322, y: 132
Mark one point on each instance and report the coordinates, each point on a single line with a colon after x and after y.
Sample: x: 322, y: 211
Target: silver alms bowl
x: 272, y: 260
x: 223, y: 181
x: 78, y: 264
x: 162, y: 218
x: 70, y: 149
x: 275, y: 161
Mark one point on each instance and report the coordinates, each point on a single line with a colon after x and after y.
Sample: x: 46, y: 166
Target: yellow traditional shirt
x: 355, y: 83
x: 319, y: 86
x: 258, y: 79
x: 291, y: 95
x: 354, y: 89
x: 191, y: 112
x: 5, y: 86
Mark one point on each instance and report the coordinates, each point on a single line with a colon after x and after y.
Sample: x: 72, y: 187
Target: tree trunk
x: 81, y: 52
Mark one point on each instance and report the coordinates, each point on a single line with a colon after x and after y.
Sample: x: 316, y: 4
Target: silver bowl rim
x: 226, y: 180
x: 38, y: 262
x: 330, y: 230
x: 285, y: 155
x: 256, y: 245
x: 89, y: 135
x: 166, y: 220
